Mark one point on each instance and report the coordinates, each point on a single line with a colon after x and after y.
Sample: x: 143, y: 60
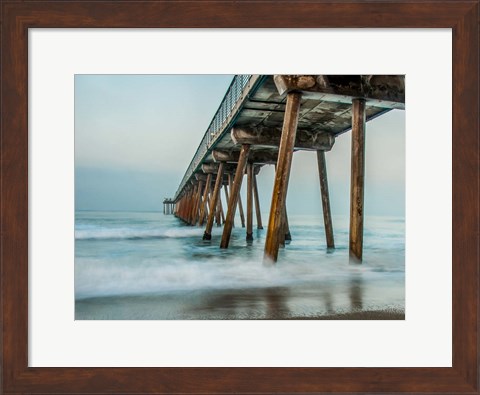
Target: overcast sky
x: 136, y: 134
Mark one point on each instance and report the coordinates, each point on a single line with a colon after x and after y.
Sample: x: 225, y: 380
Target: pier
x: 168, y: 206
x: 263, y: 120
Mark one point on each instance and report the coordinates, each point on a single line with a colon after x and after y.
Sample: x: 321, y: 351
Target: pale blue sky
x: 136, y: 134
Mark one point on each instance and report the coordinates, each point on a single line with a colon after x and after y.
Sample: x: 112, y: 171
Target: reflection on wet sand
x: 264, y: 303
x: 356, y: 292
x: 273, y: 303
x: 312, y: 301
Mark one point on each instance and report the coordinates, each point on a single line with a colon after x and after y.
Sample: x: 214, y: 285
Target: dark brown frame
x: 19, y: 16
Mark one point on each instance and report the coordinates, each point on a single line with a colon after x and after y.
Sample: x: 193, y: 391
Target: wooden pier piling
x: 240, y: 209
x: 234, y: 195
x: 186, y: 205
x: 327, y: 216
x: 281, y: 239
x: 257, y: 203
x: 357, y: 179
x: 178, y: 208
x: 196, y: 207
x: 207, y: 205
x: 285, y: 235
x: 214, y: 202
x: 198, y: 202
x: 203, y: 208
x: 220, y: 206
x: 288, y: 235
x: 191, y: 214
x: 218, y: 218
x: 240, y: 205
x: 185, y: 209
x: 282, y: 175
x: 227, y: 199
x: 190, y: 204
x: 249, y: 235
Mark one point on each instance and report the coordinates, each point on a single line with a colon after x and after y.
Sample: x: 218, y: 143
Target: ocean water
x: 147, y: 265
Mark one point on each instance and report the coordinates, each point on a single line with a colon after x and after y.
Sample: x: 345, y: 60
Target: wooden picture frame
x: 19, y: 16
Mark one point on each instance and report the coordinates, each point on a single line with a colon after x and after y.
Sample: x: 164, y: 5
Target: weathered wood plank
x: 214, y: 203
x: 327, y: 216
x: 257, y: 203
x: 384, y: 91
x: 357, y: 180
x: 240, y: 210
x: 268, y: 136
x: 199, y: 201
x: 212, y: 167
x: 220, y: 208
x: 234, y: 195
x: 230, y: 186
x: 203, y: 208
x: 191, y: 214
x: 282, y: 176
x: 288, y: 235
x: 259, y: 156
x: 249, y: 235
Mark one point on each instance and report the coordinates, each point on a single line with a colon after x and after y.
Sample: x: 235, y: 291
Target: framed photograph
x: 137, y: 260
x: 134, y: 258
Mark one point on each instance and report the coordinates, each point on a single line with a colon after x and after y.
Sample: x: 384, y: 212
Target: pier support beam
x: 285, y: 235
x: 225, y: 189
x: 218, y: 218
x: 198, y: 202
x: 214, y: 203
x: 227, y: 199
x: 203, y: 207
x: 357, y: 179
x: 327, y: 216
x: 178, y: 211
x: 288, y: 235
x: 220, y: 207
x: 282, y: 175
x: 191, y: 204
x: 195, y: 204
x: 249, y: 236
x: 257, y: 202
x: 187, y: 201
x: 187, y: 204
x: 191, y: 214
x: 234, y: 195
x: 270, y: 137
x: 240, y: 209
x: 207, y: 205
x: 240, y: 205
x: 182, y: 206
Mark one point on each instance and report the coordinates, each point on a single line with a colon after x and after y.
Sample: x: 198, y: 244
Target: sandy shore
x: 388, y: 314
x: 278, y: 303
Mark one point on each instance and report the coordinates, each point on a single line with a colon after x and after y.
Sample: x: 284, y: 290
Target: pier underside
x: 271, y: 118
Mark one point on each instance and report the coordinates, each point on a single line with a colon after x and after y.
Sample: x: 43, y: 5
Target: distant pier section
x: 168, y: 206
x: 264, y: 119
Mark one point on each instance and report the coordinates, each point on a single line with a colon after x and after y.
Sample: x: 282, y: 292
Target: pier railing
x: 239, y: 89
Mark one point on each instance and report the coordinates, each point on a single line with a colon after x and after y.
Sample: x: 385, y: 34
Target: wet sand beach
x: 279, y: 303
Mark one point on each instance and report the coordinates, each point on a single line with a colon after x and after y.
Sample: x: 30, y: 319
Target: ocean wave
x: 98, y: 277
x: 135, y: 233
